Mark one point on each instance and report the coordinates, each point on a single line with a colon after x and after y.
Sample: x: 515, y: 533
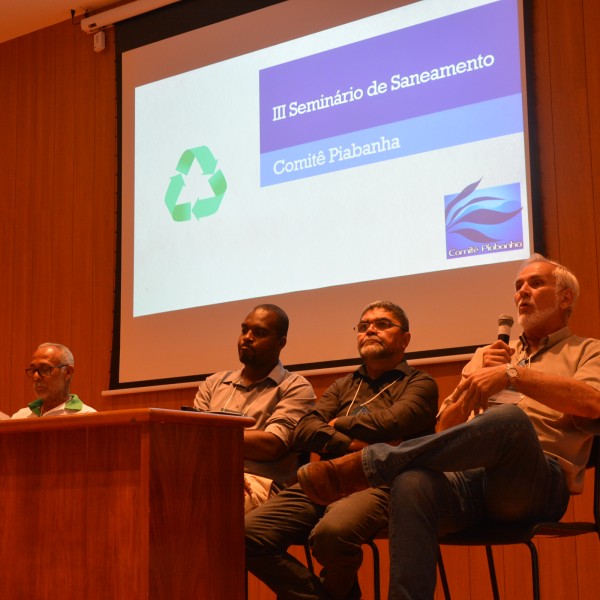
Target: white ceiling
x: 19, y: 17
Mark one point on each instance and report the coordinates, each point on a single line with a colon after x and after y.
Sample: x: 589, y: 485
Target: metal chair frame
x: 502, y: 534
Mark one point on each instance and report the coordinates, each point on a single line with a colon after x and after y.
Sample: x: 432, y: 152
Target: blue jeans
x: 490, y: 468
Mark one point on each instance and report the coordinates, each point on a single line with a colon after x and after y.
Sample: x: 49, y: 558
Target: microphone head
x: 505, y: 322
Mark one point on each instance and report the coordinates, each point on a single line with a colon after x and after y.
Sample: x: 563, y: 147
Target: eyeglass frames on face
x: 378, y: 325
x: 42, y: 370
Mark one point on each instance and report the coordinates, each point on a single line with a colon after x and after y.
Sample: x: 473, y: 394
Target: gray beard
x: 374, y: 351
x: 528, y: 322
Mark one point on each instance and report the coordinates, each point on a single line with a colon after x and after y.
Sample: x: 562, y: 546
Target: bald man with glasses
x: 51, y: 370
x: 384, y: 400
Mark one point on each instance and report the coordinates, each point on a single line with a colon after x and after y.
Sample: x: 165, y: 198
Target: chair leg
x: 309, y: 562
x: 492, y: 569
x: 376, y: 570
x: 443, y: 578
x: 535, y: 571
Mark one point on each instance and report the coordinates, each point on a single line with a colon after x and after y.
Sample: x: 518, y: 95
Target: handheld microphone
x: 505, y: 322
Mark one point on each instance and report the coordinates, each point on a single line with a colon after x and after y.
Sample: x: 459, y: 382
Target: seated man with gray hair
x: 51, y: 370
x: 513, y: 438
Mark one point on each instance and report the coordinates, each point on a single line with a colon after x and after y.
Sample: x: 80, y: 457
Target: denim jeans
x: 490, y: 468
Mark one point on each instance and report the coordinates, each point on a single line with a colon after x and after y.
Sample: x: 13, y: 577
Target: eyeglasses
x: 42, y: 370
x: 378, y: 324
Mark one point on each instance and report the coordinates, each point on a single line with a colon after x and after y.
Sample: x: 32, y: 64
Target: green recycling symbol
x: 203, y: 207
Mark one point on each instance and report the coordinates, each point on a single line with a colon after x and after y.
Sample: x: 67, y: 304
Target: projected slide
x: 385, y: 147
x: 318, y: 155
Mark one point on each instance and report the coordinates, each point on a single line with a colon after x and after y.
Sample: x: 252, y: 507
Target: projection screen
x: 319, y: 155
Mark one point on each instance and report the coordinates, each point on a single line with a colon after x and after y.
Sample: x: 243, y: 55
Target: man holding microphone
x: 536, y: 403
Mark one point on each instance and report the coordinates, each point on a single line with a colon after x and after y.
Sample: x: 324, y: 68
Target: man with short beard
x: 385, y: 400
x: 513, y: 438
x: 273, y: 396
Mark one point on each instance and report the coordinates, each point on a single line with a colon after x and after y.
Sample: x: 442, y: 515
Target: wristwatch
x: 512, y: 374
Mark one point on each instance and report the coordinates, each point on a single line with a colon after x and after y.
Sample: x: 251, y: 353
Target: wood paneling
x: 58, y: 178
x: 58, y: 183
x: 103, y: 506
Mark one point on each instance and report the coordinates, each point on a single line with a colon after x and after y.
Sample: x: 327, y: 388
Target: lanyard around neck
x: 372, y: 398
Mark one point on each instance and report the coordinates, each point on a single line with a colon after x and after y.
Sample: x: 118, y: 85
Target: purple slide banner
x: 369, y: 74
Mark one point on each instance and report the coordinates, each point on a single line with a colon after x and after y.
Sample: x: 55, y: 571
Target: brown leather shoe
x: 326, y: 481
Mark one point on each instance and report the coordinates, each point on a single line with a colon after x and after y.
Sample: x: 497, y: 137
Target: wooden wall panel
x: 10, y: 206
x: 591, y: 20
x: 42, y: 149
x: 541, y: 134
x: 102, y: 145
x: 61, y: 202
x: 59, y: 188
x: 58, y: 185
x: 18, y: 320
x: 83, y: 248
x: 571, y: 126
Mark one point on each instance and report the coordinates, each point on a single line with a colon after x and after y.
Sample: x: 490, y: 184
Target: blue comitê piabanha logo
x: 480, y: 221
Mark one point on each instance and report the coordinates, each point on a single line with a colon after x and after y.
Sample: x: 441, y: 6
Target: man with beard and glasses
x: 268, y: 393
x: 385, y: 400
x: 513, y: 438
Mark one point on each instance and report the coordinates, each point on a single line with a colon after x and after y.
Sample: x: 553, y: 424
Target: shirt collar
x: 401, y: 368
x: 546, y: 342
x: 73, y: 403
x: 276, y: 375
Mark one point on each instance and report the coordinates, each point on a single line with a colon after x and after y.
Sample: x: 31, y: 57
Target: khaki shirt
x: 566, y: 437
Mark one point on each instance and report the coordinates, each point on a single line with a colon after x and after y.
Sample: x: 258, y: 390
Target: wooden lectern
x: 122, y: 505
